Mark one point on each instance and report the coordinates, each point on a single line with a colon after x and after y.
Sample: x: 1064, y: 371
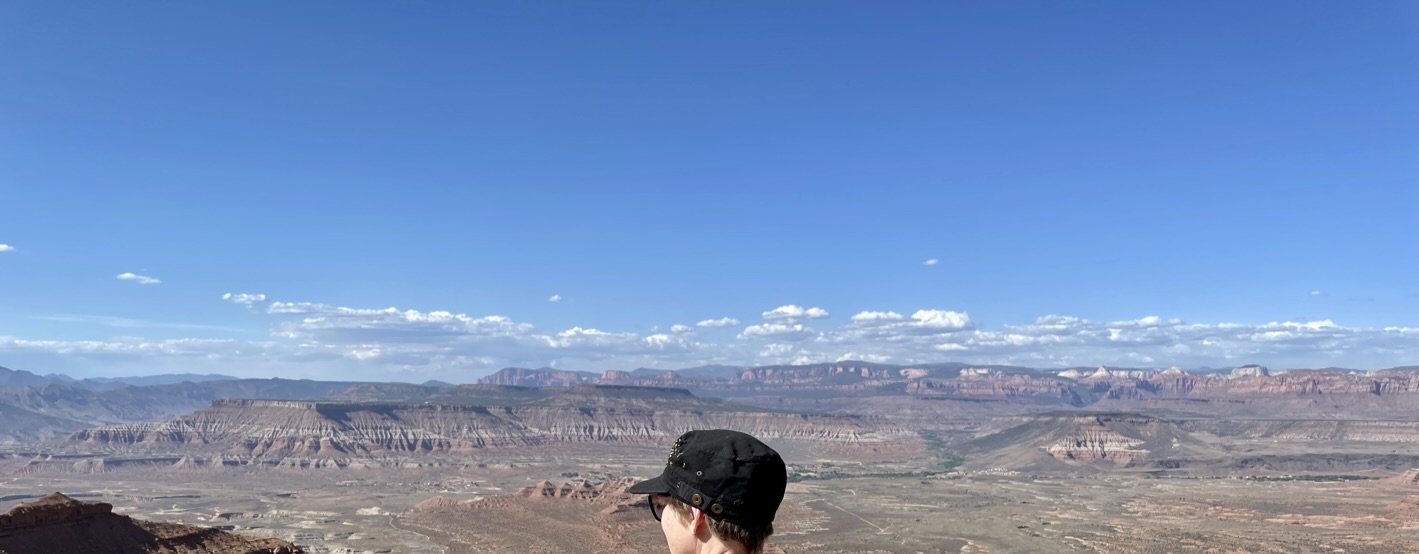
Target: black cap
x: 728, y: 475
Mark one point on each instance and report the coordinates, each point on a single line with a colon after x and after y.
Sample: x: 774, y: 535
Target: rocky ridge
x: 39, y: 411
x: 330, y: 434
x: 1071, y: 387
x: 57, y: 523
x: 1107, y: 440
x: 1081, y: 439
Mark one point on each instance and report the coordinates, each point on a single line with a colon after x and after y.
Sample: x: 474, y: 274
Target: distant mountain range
x: 40, y: 408
x: 546, y: 375
x: 846, y: 372
x: 20, y: 378
x: 55, y: 409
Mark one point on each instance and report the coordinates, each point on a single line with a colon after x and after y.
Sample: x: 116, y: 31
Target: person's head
x: 719, y: 487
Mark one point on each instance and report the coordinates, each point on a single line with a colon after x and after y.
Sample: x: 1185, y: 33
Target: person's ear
x: 698, y: 523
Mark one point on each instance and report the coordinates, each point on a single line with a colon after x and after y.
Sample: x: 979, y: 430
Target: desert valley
x: 882, y: 458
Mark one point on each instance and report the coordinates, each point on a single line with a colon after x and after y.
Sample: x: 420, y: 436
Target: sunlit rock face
x: 1094, y: 440
x: 1250, y: 371
x: 308, y: 434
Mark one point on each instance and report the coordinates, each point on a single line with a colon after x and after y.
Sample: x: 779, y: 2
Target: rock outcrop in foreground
x: 57, y: 523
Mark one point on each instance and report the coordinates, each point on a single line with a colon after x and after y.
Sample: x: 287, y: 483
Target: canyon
x: 531, y: 459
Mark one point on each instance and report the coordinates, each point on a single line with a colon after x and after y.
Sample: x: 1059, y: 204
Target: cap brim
x: 655, y: 485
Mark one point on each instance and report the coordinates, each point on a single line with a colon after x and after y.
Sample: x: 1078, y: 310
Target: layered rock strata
x: 1110, y: 439
x: 1096, y: 443
x: 326, y: 430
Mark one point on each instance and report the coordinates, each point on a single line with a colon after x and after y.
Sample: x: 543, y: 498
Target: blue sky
x: 1205, y: 184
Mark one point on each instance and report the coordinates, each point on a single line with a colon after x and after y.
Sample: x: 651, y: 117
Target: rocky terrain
x: 1046, y: 441
x: 1245, y: 390
x: 882, y: 458
x: 36, y: 408
x: 290, y: 433
x: 57, y: 523
x: 570, y: 516
x: 55, y: 409
x: 1407, y: 480
x: 974, y: 512
x: 1189, y: 445
x: 1298, y: 430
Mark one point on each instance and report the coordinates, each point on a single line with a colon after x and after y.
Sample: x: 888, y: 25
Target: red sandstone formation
x: 57, y: 523
x: 576, y: 490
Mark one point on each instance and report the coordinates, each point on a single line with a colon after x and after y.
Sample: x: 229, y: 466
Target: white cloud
x: 415, y: 338
x: 293, y: 308
x: 894, y: 327
x: 1318, y: 325
x: 586, y: 337
x: 942, y: 319
x: 721, y: 322
x: 554, y: 298
x: 583, y: 332
x: 1317, y: 293
x: 365, y: 352
x: 131, y: 323
x: 1056, y: 321
x: 854, y: 356
x: 931, y: 262
x: 138, y: 347
x: 779, y: 331
x: 874, y: 317
x: 244, y: 298
x: 943, y: 335
x: 307, y: 338
x: 140, y: 279
x: 791, y: 312
x: 671, y: 343
x: 6, y: 248
x: 777, y: 349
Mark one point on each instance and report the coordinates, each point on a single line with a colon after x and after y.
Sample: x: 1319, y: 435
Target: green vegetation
x: 936, y: 444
